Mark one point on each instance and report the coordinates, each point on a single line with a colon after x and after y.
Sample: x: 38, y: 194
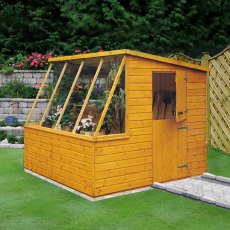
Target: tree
x: 28, y: 26
x: 155, y: 26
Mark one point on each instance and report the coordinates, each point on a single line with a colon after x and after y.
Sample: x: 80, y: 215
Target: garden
x: 28, y: 202
x: 20, y: 78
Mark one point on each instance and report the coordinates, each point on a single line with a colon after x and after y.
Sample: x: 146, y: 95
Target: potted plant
x: 86, y: 125
x: 106, y: 126
x: 52, y: 118
x: 66, y: 123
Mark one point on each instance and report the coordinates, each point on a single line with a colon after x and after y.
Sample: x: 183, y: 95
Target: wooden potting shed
x: 146, y: 116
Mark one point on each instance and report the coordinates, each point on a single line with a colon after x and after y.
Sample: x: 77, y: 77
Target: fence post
x: 205, y: 62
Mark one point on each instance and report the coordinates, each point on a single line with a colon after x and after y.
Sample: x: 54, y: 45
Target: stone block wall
x: 26, y: 76
x: 20, y: 108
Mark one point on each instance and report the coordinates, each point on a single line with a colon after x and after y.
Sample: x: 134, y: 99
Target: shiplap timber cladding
x: 100, y: 165
x: 218, y: 98
x: 61, y: 158
x: 196, y: 122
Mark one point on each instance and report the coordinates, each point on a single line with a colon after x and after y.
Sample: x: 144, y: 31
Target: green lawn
x: 219, y: 163
x: 27, y: 202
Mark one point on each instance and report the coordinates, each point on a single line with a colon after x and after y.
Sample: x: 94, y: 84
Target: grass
x: 27, y: 202
x: 219, y: 163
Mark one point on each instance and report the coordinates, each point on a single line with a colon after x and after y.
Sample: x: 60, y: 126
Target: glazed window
x: 163, y: 96
x: 85, y: 96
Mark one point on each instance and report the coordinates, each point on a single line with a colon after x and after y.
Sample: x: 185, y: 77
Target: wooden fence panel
x: 219, y: 81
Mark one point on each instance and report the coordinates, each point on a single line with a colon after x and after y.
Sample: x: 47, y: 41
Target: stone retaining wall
x: 26, y: 76
x: 20, y: 108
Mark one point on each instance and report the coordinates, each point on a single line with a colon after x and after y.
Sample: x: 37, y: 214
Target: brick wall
x: 20, y: 108
x: 26, y: 76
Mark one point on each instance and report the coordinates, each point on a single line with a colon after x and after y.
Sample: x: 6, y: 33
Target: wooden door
x: 169, y: 150
x: 169, y: 139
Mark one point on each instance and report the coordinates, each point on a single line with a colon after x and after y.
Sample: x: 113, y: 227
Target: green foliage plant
x: 15, y: 124
x: 151, y: 26
x: 18, y: 89
x: 7, y: 70
x: 3, y: 135
x: 3, y: 124
x: 11, y: 139
x: 20, y: 140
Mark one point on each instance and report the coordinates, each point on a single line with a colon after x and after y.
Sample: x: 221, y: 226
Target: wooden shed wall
x: 104, y: 167
x: 196, y: 121
x: 62, y: 158
x: 196, y: 104
x: 127, y: 164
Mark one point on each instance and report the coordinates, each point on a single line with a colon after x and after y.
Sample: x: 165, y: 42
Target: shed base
x: 84, y: 195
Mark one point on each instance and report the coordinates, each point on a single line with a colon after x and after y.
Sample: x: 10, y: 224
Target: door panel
x: 181, y: 96
x: 169, y: 150
x: 164, y: 150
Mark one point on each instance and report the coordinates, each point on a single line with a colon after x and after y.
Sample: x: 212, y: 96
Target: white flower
x: 86, y: 123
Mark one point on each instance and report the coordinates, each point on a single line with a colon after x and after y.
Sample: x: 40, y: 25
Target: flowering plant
x: 86, y: 124
x: 51, y: 119
x: 34, y: 61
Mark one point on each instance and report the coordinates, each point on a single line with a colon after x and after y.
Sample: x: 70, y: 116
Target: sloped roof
x: 128, y: 52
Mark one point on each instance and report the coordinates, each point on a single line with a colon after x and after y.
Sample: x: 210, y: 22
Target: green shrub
x: 21, y: 140
x: 7, y: 70
x: 17, y: 89
x: 3, y: 124
x: 3, y: 135
x: 15, y: 124
x: 11, y: 139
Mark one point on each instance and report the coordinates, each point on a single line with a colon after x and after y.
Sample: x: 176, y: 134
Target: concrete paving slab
x: 207, y: 188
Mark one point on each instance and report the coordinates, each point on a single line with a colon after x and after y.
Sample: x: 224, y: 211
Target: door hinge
x: 183, y: 127
x: 183, y: 166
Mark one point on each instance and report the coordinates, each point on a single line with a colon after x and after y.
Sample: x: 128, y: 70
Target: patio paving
x: 207, y: 188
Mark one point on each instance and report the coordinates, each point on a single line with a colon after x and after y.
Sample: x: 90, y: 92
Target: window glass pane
x: 164, y: 96
x: 65, y: 119
x: 114, y: 121
x: 45, y: 93
x: 61, y: 94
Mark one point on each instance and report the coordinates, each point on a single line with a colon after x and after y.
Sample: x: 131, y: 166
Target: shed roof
x: 128, y: 52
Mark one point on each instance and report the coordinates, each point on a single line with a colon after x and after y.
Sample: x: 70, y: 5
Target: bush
x: 21, y: 140
x: 3, y: 124
x: 6, y: 69
x: 17, y: 89
x: 15, y: 124
x: 3, y: 135
x: 33, y: 61
x: 11, y: 139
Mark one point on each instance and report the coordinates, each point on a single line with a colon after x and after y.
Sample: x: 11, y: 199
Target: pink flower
x: 49, y: 55
x: 101, y: 51
x: 78, y: 86
x: 21, y: 64
x: 36, y: 86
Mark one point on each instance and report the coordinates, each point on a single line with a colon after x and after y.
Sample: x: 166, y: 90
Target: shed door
x: 169, y: 128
